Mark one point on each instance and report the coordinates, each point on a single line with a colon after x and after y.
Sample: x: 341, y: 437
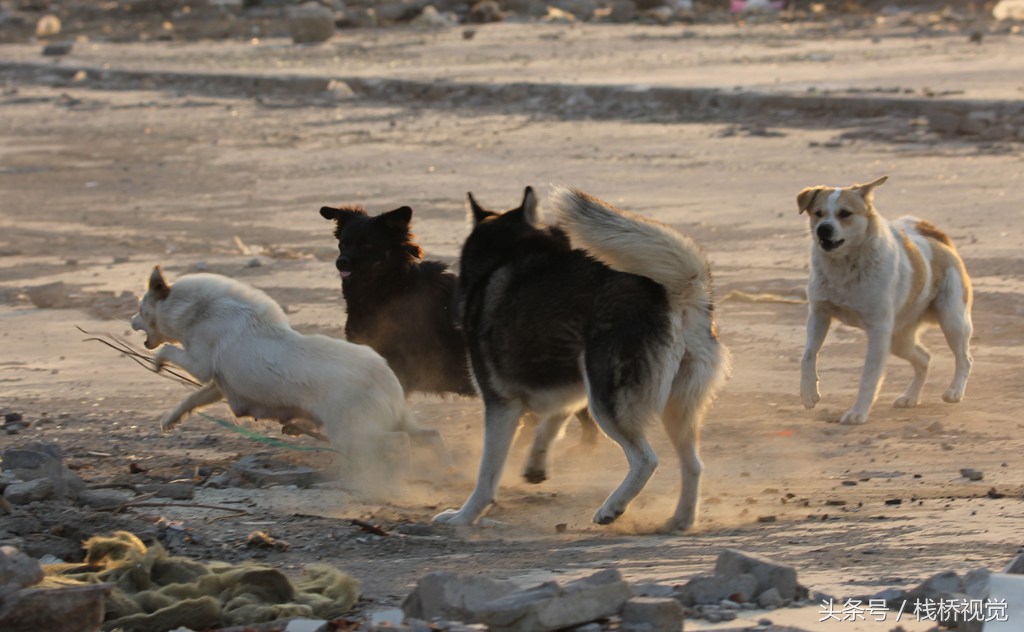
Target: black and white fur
x: 626, y: 322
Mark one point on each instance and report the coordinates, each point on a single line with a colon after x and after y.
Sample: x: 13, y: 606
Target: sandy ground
x: 97, y: 186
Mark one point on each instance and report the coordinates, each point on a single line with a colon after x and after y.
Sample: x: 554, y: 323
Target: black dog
x: 402, y: 306
x: 397, y: 303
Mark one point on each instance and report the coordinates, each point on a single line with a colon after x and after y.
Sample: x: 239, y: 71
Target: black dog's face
x: 367, y: 245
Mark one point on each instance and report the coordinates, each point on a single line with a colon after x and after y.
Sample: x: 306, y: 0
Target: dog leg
x: 818, y: 324
x: 199, y: 369
x: 955, y: 322
x: 500, y: 423
x: 906, y: 346
x: 682, y: 423
x: 547, y: 431
x: 208, y: 394
x: 430, y: 439
x: 629, y: 434
x: 879, y: 341
x: 589, y: 432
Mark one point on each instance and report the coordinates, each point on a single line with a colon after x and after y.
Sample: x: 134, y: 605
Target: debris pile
x: 151, y: 590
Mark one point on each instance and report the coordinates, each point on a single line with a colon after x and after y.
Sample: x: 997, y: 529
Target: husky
x: 401, y: 304
x: 625, y: 321
x: 889, y: 279
x: 237, y: 341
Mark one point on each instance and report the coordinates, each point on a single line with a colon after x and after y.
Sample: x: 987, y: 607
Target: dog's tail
x: 630, y: 243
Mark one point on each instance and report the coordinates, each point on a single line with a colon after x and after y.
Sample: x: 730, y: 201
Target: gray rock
x: 712, y: 589
x: 1016, y: 565
x: 58, y: 49
x: 174, y: 491
x: 310, y: 23
x: 768, y: 573
x: 30, y: 491
x: 648, y: 589
x: 976, y: 583
x: 42, y: 461
x: 938, y: 586
x: 263, y: 472
x: 771, y: 599
x: 551, y: 606
x: 446, y: 595
x: 622, y: 11
x: 971, y: 474
x: 103, y: 498
x: 17, y: 571
x: 652, y: 614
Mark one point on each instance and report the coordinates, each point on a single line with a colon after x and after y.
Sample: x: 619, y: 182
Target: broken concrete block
x: 551, y: 607
x: 712, y: 589
x: 29, y: 492
x: 17, y: 571
x: 1006, y: 603
x: 652, y: 614
x: 768, y: 573
x: 937, y: 587
x: 446, y: 595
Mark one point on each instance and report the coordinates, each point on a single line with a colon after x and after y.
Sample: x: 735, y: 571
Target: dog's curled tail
x: 630, y: 243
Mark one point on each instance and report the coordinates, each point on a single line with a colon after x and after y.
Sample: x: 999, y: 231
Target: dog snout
x: 825, y: 232
x: 343, y: 264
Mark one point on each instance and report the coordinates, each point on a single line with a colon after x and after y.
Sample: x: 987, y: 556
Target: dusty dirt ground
x: 99, y: 185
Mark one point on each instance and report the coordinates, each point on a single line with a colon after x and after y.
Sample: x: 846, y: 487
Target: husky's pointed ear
x: 341, y: 214
x: 476, y: 213
x: 805, y: 198
x: 531, y: 208
x: 867, y: 190
x: 157, y: 286
x: 398, y: 219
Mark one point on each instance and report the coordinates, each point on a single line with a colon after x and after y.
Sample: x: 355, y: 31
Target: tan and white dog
x: 889, y: 279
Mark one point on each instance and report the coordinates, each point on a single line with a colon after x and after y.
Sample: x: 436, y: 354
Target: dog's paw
x: 904, y: 402
x: 810, y: 395
x: 535, y: 477
x: 454, y: 517
x: 810, y: 399
x: 607, y: 515
x: 853, y: 418
x: 953, y: 395
x: 169, y: 422
x: 677, y: 525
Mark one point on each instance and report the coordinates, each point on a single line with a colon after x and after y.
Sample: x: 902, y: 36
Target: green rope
x: 255, y: 436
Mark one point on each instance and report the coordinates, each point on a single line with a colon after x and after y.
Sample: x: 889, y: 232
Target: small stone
x: 971, y: 474
x: 31, y: 491
x: 103, y: 498
x: 310, y: 23
x: 771, y: 599
x: 767, y: 573
x: 17, y: 571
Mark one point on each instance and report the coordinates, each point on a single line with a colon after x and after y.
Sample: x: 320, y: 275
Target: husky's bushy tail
x: 630, y: 243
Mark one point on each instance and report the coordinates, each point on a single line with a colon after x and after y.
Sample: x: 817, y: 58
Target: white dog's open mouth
x: 829, y: 244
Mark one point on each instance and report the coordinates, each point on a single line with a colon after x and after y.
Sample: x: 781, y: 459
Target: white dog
x: 889, y: 279
x: 236, y: 340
